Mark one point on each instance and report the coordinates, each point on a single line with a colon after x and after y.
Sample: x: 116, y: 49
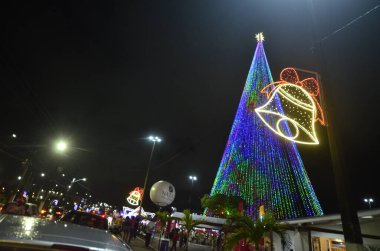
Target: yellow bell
x: 134, y: 198
x: 295, y: 121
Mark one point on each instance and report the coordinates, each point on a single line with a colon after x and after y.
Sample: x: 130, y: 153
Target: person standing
x: 181, y: 234
x: 150, y: 227
x: 174, y: 239
x: 126, y: 229
x: 132, y: 229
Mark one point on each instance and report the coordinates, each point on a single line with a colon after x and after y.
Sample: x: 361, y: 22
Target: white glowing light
x: 154, y: 138
x: 260, y: 37
x: 61, y: 146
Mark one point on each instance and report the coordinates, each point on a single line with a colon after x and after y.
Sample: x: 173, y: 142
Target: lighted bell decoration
x: 162, y: 193
x: 135, y: 196
x: 295, y: 118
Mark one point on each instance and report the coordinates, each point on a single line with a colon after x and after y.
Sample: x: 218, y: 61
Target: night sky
x: 104, y: 75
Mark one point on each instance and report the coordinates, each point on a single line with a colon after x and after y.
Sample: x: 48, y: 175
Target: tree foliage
x: 163, y: 217
x: 245, y: 228
x: 220, y: 204
x: 189, y: 224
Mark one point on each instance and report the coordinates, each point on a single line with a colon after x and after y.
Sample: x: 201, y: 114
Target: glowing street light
x: 369, y: 201
x: 14, y: 135
x: 154, y: 139
x: 74, y: 180
x: 19, y: 177
x: 61, y: 146
x: 192, y: 178
x: 42, y: 174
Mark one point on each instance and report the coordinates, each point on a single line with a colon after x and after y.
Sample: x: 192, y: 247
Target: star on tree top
x: 260, y: 37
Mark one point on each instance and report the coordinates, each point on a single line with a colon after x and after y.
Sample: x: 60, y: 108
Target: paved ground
x: 139, y: 245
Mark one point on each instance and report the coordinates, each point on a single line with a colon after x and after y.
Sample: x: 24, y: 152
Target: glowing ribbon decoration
x: 300, y: 108
x: 135, y: 196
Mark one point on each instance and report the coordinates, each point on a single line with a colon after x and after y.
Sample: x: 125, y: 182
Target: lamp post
x: 192, y: 178
x: 74, y: 180
x: 369, y: 201
x: 155, y: 140
x: 61, y: 146
x: 350, y: 221
x: 25, y: 166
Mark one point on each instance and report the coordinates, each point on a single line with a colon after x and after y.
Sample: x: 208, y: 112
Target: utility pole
x: 349, y: 217
x: 25, y: 167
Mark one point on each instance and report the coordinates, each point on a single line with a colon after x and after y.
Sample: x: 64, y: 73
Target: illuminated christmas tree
x: 259, y: 166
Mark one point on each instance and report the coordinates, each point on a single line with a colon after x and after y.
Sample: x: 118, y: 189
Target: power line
x: 347, y: 25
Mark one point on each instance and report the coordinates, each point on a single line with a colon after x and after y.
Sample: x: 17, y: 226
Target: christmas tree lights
x: 257, y: 165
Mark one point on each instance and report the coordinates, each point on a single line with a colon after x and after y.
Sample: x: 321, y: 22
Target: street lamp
x: 26, y: 163
x: 155, y: 140
x: 192, y: 178
x: 369, y: 201
x: 74, y: 180
x: 61, y: 146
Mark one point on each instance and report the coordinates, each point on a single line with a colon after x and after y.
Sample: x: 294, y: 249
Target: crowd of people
x: 133, y: 226
x: 18, y: 207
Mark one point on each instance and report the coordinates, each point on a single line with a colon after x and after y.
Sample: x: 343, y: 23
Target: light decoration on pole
x: 295, y: 119
x: 259, y: 166
x: 135, y: 196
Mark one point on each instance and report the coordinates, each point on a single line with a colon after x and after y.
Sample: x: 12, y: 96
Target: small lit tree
x: 245, y: 228
x: 163, y: 218
x: 189, y: 224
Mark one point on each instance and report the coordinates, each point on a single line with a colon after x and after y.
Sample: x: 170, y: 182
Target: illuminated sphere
x: 162, y: 193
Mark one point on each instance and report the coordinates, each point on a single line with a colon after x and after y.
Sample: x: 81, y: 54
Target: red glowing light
x: 289, y: 75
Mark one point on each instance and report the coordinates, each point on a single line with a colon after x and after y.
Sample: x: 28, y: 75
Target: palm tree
x: 164, y: 218
x: 245, y: 228
x: 189, y: 224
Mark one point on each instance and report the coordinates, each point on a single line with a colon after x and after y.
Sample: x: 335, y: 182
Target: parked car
x: 86, y: 219
x: 31, y: 209
x: 32, y: 233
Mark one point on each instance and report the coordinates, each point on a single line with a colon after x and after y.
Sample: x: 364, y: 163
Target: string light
x: 257, y: 165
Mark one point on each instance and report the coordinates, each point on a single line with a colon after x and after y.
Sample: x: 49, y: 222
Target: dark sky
x: 106, y: 74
